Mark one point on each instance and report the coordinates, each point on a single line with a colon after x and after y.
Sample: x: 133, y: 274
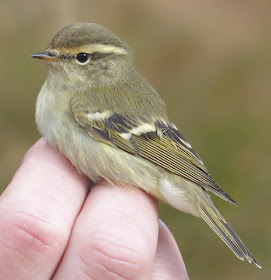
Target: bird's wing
x: 159, y: 142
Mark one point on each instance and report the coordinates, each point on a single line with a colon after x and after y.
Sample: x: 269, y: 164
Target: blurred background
x: 211, y: 62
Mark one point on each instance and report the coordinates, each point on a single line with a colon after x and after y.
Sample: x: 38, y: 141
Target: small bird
x: 111, y: 124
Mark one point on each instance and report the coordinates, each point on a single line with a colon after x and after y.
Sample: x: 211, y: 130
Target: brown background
x: 211, y: 61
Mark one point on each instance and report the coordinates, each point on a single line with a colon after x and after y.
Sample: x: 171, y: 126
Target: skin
x: 52, y: 227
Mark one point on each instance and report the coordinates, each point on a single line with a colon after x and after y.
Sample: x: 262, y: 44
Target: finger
x: 37, y: 212
x: 168, y: 262
x: 115, y: 236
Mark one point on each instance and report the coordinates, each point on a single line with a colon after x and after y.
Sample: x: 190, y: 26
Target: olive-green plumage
x: 96, y: 109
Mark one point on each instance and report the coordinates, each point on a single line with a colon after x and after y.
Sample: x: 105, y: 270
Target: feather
x: 227, y: 234
x: 159, y: 142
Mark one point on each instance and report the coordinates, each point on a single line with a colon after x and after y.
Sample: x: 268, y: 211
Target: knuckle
x: 28, y: 235
x: 115, y: 259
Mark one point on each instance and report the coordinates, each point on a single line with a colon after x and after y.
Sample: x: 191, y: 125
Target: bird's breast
x: 51, y: 112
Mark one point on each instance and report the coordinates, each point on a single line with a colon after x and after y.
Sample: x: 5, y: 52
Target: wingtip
x: 234, y: 202
x: 229, y: 199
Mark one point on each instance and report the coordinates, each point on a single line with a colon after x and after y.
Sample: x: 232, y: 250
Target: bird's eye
x: 82, y: 58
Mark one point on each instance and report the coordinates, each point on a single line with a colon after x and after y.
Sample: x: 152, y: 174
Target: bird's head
x: 88, y: 54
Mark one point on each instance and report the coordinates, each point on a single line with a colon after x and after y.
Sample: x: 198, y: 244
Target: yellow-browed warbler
x: 111, y: 124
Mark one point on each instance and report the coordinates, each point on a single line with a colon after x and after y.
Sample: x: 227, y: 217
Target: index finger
x: 37, y: 212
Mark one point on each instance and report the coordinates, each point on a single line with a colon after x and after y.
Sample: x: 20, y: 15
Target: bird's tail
x: 227, y: 234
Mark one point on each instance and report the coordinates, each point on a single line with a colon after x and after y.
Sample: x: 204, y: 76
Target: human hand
x: 52, y: 227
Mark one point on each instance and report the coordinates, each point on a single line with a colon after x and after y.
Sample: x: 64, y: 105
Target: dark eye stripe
x: 67, y: 56
x: 93, y: 56
x: 98, y: 55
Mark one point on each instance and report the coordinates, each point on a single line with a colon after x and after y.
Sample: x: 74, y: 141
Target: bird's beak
x: 49, y: 56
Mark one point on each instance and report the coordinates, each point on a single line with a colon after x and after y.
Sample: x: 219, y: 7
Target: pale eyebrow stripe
x: 94, y: 48
x: 104, y: 49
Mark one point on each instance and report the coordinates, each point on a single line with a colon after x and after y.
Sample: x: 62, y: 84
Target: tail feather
x: 228, y: 236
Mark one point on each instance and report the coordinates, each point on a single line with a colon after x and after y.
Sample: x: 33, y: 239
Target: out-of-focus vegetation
x: 211, y: 61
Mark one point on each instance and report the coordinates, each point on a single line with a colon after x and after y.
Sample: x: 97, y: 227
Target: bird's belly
x: 92, y: 157
x: 99, y: 160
